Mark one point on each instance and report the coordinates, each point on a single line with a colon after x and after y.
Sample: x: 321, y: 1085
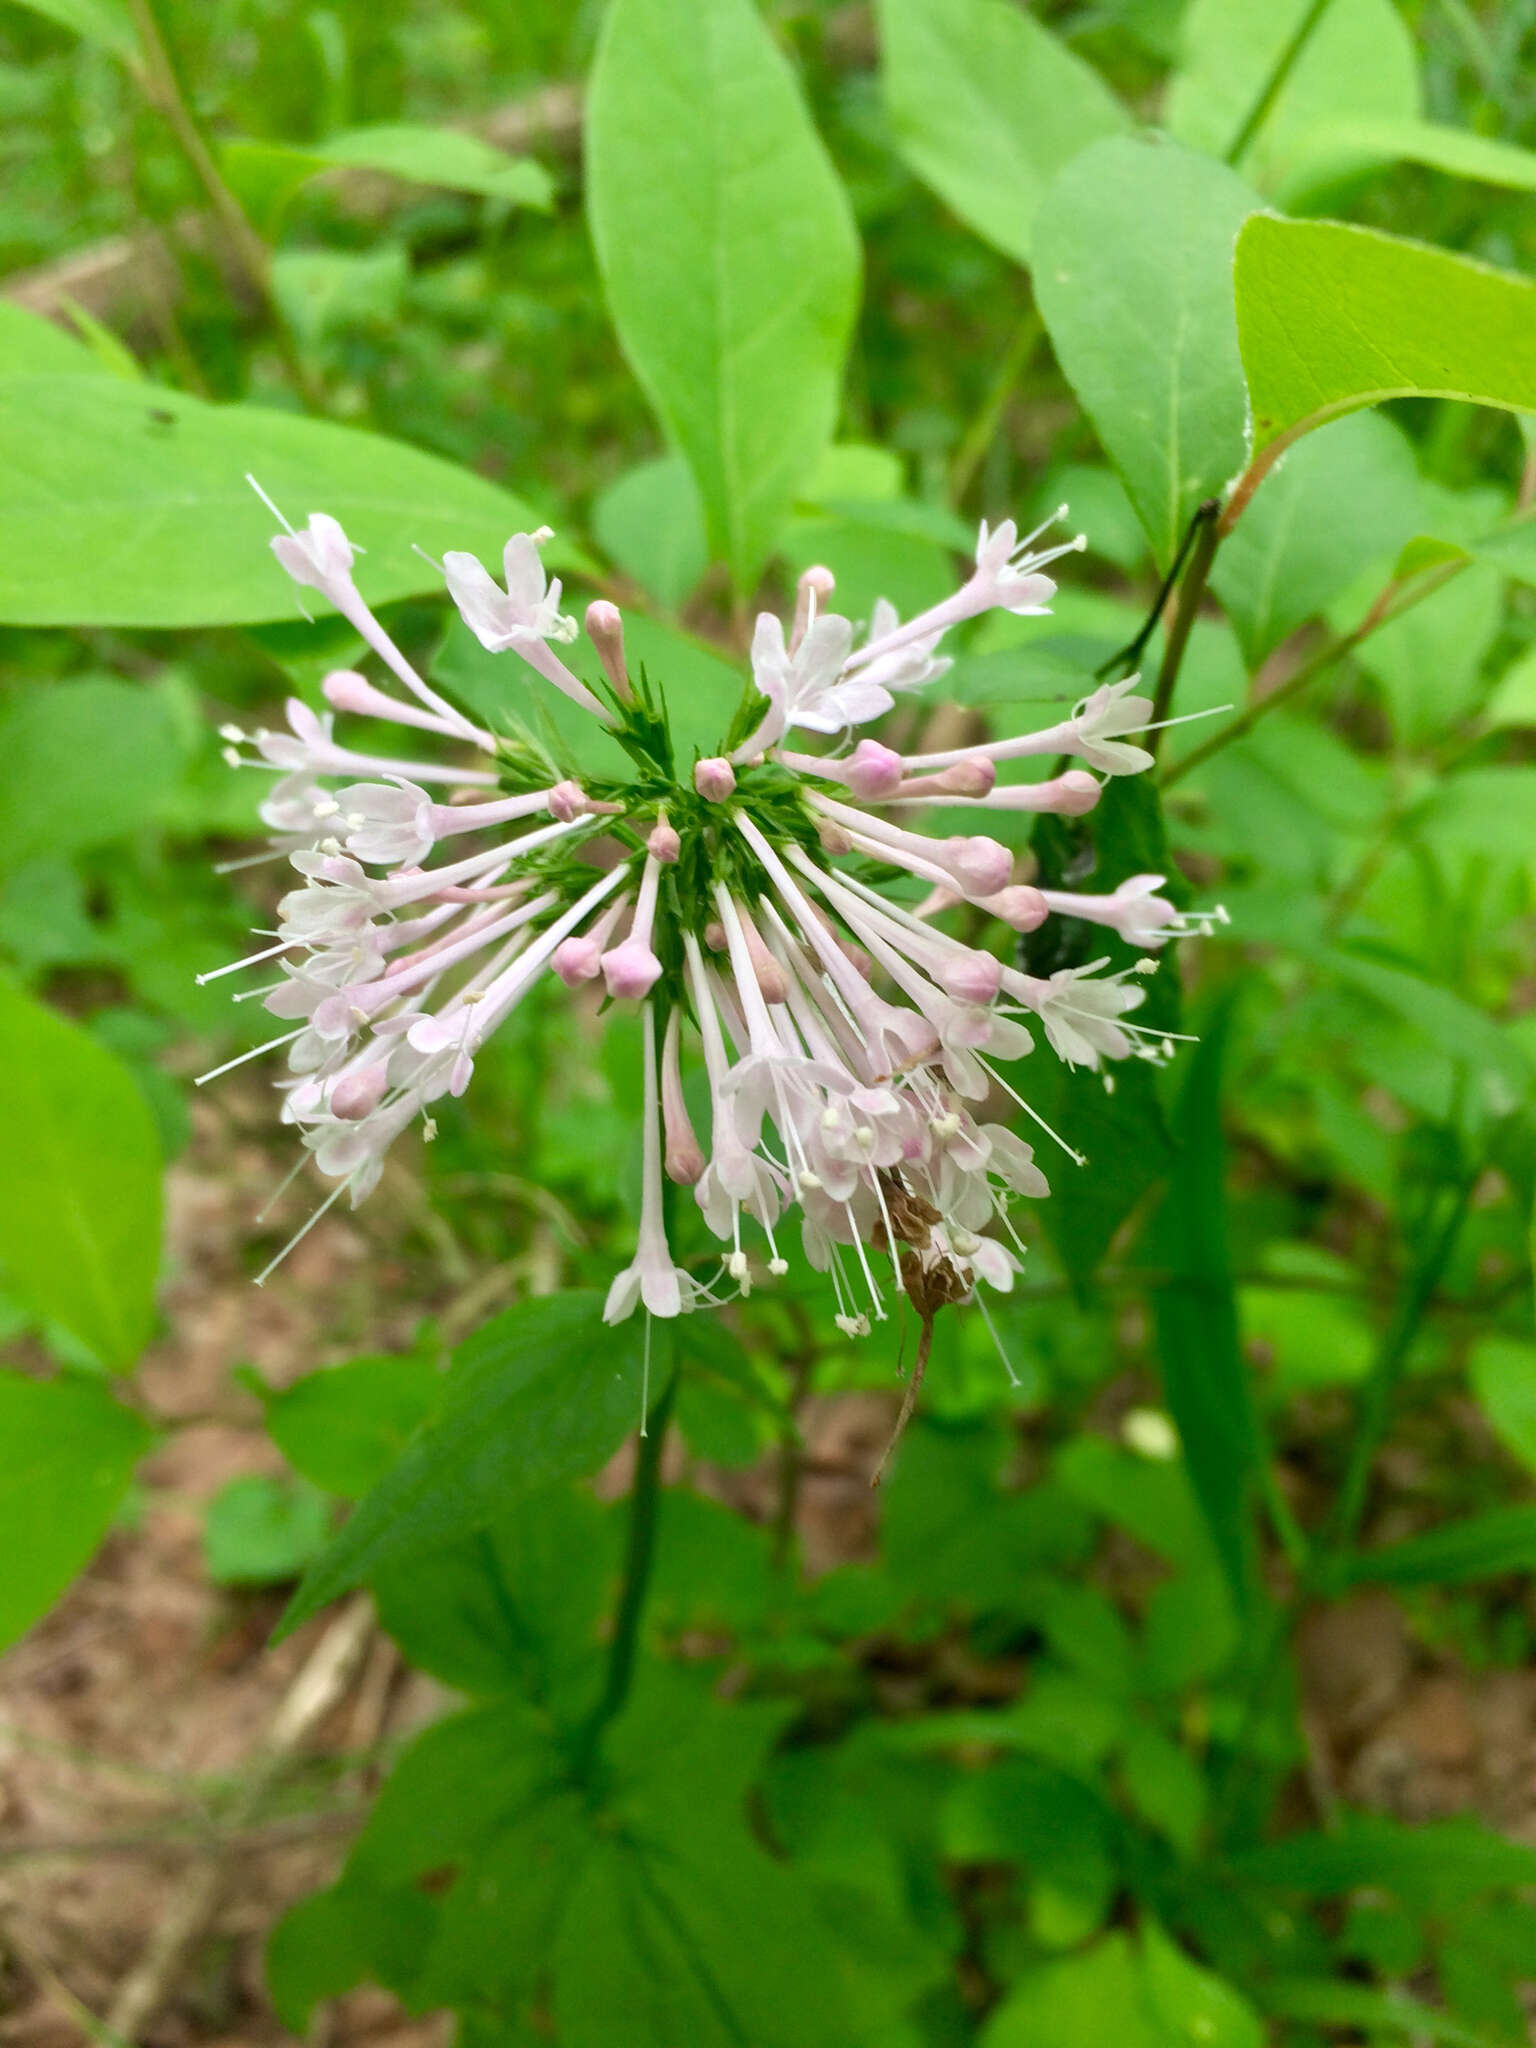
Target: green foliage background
x: 837, y: 282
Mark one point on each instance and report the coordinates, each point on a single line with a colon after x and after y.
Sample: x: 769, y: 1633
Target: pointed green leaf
x: 126, y: 505
x: 728, y: 254
x: 1331, y: 318
x: 80, y: 1194
x: 1133, y: 274
x: 67, y: 1452
x: 986, y: 105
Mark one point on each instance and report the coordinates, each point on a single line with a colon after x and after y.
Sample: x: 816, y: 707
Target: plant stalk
x: 639, y: 1554
x: 162, y: 88
x: 978, y: 435
x: 1276, y: 82
x: 1191, y: 591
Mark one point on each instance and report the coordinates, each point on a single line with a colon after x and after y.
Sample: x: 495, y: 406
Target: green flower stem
x: 639, y: 1553
x: 161, y: 85
x: 1191, y: 590
x: 1391, y: 604
x: 1275, y: 84
x: 978, y: 435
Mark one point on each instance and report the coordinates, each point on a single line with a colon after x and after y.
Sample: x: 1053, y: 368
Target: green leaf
x: 80, y: 764
x: 1503, y: 1375
x: 1358, y: 60
x: 1329, y: 2002
x: 80, y: 1194
x: 1513, y: 702
x: 106, y: 23
x: 1486, y: 1546
x: 267, y: 174
x: 1492, y: 1058
x: 728, y: 254
x: 33, y: 347
x: 67, y: 1453
x: 1450, y: 1861
x: 126, y: 505
x: 513, y: 1608
x: 1191, y: 2004
x: 1133, y: 275
x: 1345, y: 499
x: 262, y: 1531
x: 650, y: 522
x: 344, y: 1427
x: 1342, y: 147
x: 1124, y: 1135
x: 1098, y: 1996
x: 1429, y: 660
x: 544, y: 1392
x: 1331, y: 318
x: 986, y: 105
x: 1194, y: 1313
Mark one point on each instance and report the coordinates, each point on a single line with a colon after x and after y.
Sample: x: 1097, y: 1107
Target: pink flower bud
x: 982, y: 864
x: 567, y: 800
x: 1077, y: 792
x: 714, y: 936
x: 971, y: 977
x: 970, y: 778
x: 873, y: 770
x: 834, y: 839
x: 663, y: 843
x: 605, y: 629
x: 348, y: 691
x: 1018, y: 905
x: 631, y: 970
x: 714, y: 779
x: 576, y: 960
x: 684, y: 1161
x: 356, y: 1095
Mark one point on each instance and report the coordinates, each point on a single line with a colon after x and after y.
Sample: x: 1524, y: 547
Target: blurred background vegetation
x: 1049, y: 1762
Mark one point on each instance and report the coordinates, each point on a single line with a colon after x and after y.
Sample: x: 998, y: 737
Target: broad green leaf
x: 1165, y: 1785
x: 1503, y: 1374
x: 1513, y: 702
x: 513, y: 1608
x: 325, y: 292
x: 33, y: 347
x: 1342, y: 147
x: 544, y: 1392
x: 126, y: 505
x: 1133, y: 275
x: 986, y: 105
x: 1485, y: 1546
x: 1205, y: 1375
x: 1343, y: 500
x: 1054, y: 1827
x: 1098, y: 1996
x: 1123, y: 1136
x: 81, y: 764
x: 262, y: 1531
x: 1429, y: 660
x: 1358, y: 60
x: 67, y: 1452
x: 106, y: 23
x: 651, y: 523
x: 267, y: 174
x: 728, y: 254
x: 80, y: 1194
x: 343, y: 1427
x: 1192, y: 2004
x: 1331, y: 318
x: 1450, y: 1023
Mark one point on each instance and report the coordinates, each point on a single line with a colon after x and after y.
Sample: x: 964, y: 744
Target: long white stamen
x: 255, y: 1053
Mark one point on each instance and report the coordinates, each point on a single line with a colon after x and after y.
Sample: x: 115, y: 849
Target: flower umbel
x: 849, y: 1041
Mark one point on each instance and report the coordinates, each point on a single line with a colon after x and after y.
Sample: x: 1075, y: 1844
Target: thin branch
x: 1207, y: 535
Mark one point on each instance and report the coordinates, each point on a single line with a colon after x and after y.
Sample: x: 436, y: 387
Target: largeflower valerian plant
x: 849, y: 1038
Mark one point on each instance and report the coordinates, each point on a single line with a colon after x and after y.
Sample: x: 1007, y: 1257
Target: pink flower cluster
x: 851, y: 1044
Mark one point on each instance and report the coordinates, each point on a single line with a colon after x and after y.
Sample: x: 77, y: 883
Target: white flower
x: 1099, y: 717
x: 526, y: 609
